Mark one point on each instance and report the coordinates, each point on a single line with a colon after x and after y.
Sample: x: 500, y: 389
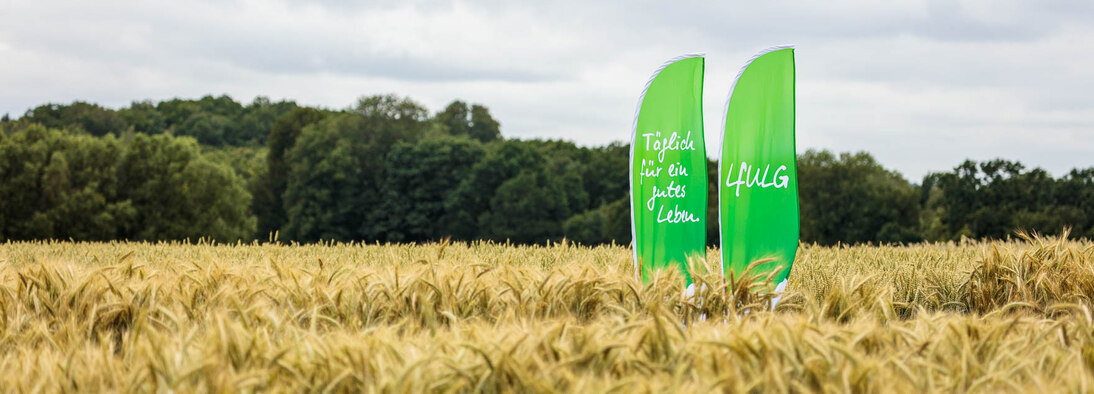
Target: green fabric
x: 668, y: 157
x: 758, y: 196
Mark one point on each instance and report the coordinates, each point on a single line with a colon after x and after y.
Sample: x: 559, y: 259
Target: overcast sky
x: 921, y: 85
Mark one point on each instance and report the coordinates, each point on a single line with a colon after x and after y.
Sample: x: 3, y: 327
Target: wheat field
x: 1006, y: 316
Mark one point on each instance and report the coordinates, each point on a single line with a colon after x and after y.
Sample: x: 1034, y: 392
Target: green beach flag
x: 758, y: 187
x: 668, y: 169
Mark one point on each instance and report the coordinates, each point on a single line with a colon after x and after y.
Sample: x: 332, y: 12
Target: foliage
x: 586, y: 228
x: 211, y: 120
x: 78, y: 116
x: 470, y: 210
x: 179, y: 194
x: 385, y: 170
x: 327, y: 182
x: 69, y: 186
x: 207, y: 128
x: 60, y: 186
x: 418, y: 186
x: 853, y: 199
x: 222, y: 121
x: 604, y: 172
x: 258, y: 118
x: 337, y: 167
x: 617, y: 221
x: 143, y: 117
x: 269, y: 189
x: 527, y: 208
x: 608, y: 224
x: 474, y: 122
x: 991, y: 199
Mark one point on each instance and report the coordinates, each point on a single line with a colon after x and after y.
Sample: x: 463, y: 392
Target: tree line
x: 388, y: 170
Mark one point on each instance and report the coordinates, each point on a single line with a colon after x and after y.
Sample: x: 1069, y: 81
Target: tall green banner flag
x: 758, y: 188
x: 668, y: 169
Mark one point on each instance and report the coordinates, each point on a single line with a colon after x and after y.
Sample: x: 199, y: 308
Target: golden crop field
x: 983, y: 317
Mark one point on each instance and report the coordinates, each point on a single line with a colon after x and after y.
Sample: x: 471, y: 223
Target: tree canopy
x: 386, y: 169
x: 61, y: 185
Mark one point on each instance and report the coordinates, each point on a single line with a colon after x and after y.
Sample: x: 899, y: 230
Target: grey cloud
x: 295, y: 58
x: 1009, y: 79
x: 166, y: 38
x: 942, y: 20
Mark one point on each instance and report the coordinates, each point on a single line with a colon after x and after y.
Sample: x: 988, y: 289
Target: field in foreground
x: 1009, y: 316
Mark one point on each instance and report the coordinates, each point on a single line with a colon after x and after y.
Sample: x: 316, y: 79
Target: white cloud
x: 920, y: 84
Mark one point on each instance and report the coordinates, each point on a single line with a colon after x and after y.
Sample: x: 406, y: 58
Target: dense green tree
x: 384, y: 170
x: 607, y: 223
x: 597, y: 186
x: 176, y: 111
x: 528, y: 208
x: 387, y: 120
x: 1076, y: 190
x: 586, y: 228
x: 180, y: 194
x: 63, y: 185
x: 420, y: 179
x: 58, y: 185
x: 483, y: 126
x: 514, y: 194
x: 605, y: 173
x: 503, y: 161
x: 269, y: 189
x: 457, y: 118
x: 220, y: 120
x: 853, y: 199
x: 222, y: 105
x: 143, y: 117
x: 208, y: 128
x: 931, y: 226
x: 337, y: 166
x: 546, y: 182
x: 327, y: 179
x: 617, y: 221
x: 1051, y: 220
x: 993, y: 198
x: 474, y: 122
x: 257, y: 120
x: 567, y: 164
x: 250, y: 165
x: 78, y: 116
